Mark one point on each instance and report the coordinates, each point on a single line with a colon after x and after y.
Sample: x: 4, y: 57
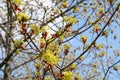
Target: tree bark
x: 9, y: 43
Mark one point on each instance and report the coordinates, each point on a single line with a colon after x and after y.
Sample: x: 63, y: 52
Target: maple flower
x: 78, y: 77
x: 66, y: 46
x: 72, y: 67
x: 65, y: 4
x: 82, y: 58
x: 67, y: 75
x: 85, y: 8
x: 19, y: 2
x: 117, y: 53
x: 99, y: 46
x: 50, y: 58
x: 101, y: 54
x: 38, y: 65
x: 116, y: 68
x: 101, y: 10
x: 35, y: 28
x: 17, y: 51
x: 22, y: 17
x: 97, y: 14
x: 105, y: 33
x: 90, y: 22
x: 92, y: 6
x: 17, y: 43
x: 94, y: 70
x: 37, y: 73
x: 48, y: 79
x: 70, y: 19
x: 61, y: 38
x: 84, y: 38
x: 42, y: 40
x: 96, y: 28
x: 118, y: 16
x: 76, y: 9
x: 54, y: 46
x: 44, y: 29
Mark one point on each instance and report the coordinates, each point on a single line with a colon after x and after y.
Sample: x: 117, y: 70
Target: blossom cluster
x: 22, y: 17
x: 50, y: 58
x: 67, y: 75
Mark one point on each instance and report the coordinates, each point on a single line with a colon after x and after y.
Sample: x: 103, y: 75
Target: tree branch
x: 94, y: 39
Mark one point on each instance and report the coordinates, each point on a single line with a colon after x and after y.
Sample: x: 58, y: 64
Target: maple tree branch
x: 94, y: 39
x: 110, y: 68
x: 77, y: 32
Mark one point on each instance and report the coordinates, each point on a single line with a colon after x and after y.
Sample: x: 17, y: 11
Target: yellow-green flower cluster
x: 44, y: 29
x: 54, y: 47
x: 84, y: 8
x: 36, y: 29
x: 76, y: 9
x: 78, y: 77
x: 70, y: 19
x: 116, y: 68
x: 101, y: 10
x: 105, y: 33
x: 65, y: 4
x: 83, y: 38
x: 101, y: 54
x: 49, y: 58
x: 17, y: 43
x: 72, y: 67
x: 67, y: 75
x: 61, y: 38
x: 22, y: 17
x: 42, y: 40
x: 38, y: 65
x: 19, y: 2
x: 94, y: 70
x: 82, y: 57
x: 66, y: 46
x: 92, y: 6
x: 37, y: 73
x: 96, y: 28
x: 99, y: 46
x: 48, y: 79
x: 117, y: 53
